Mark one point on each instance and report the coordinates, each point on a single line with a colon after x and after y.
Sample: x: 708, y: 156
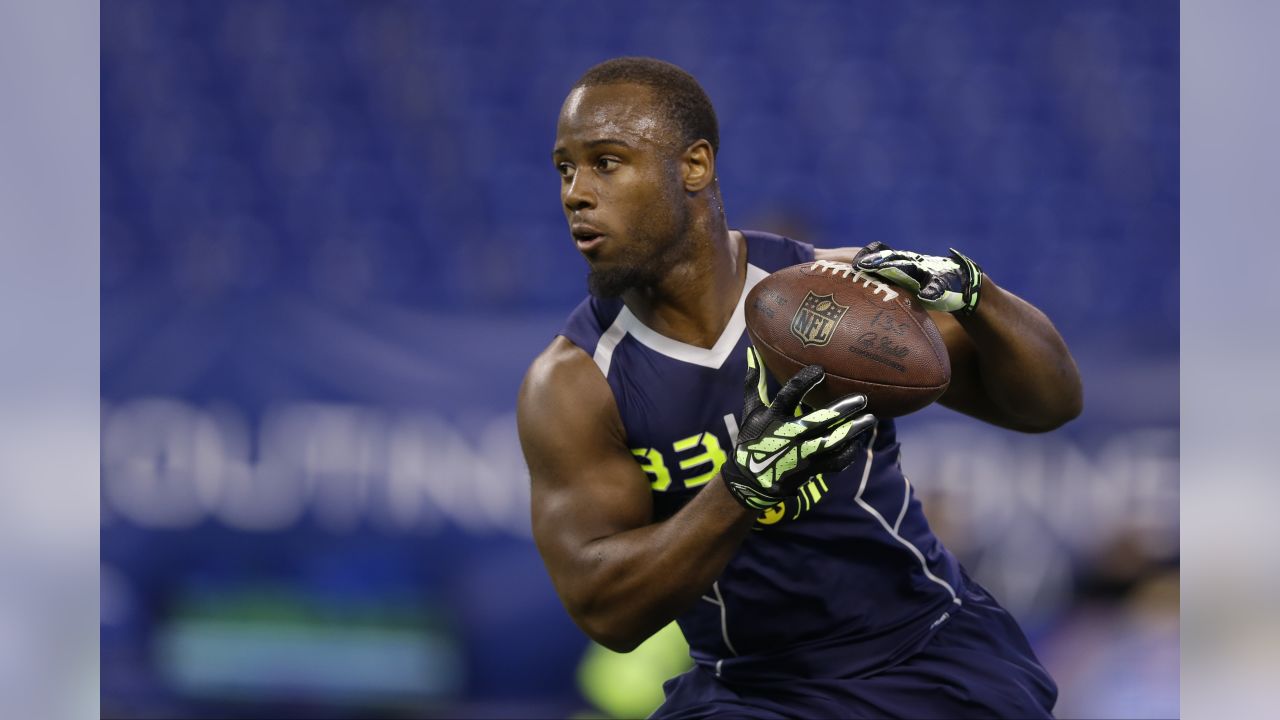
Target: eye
x: 565, y: 169
x: 608, y: 163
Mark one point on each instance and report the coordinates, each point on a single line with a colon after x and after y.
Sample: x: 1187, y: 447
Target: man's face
x: 620, y: 186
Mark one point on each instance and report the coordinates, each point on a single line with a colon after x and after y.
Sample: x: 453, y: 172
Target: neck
x: 696, y: 299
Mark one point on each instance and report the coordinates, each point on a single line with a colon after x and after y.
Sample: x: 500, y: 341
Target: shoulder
x: 561, y: 368
x: 564, y: 391
x: 562, y: 362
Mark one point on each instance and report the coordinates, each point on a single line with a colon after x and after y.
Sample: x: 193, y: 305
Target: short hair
x: 679, y: 94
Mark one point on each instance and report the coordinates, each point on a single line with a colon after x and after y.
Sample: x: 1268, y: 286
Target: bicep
x: 585, y: 483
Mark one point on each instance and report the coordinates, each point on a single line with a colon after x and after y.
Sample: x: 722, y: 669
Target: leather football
x: 871, y: 337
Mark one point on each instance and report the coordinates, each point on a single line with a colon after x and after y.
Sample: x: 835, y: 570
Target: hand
x: 949, y: 284
x: 778, y: 452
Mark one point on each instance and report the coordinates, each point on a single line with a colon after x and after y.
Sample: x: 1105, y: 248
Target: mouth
x: 586, y: 237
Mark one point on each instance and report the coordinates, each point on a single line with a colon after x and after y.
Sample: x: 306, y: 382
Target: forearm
x: 1025, y: 369
x: 631, y: 584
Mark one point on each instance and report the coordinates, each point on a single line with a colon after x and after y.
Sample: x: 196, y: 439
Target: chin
x: 612, y: 282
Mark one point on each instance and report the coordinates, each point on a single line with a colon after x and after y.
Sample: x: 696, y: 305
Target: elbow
x: 1054, y: 417
x: 1074, y: 408
x: 1070, y: 407
x: 616, y: 625
x: 618, y: 643
x: 609, y: 632
x: 607, y: 607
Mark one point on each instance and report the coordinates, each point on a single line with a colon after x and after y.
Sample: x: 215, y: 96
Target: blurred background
x: 332, y: 243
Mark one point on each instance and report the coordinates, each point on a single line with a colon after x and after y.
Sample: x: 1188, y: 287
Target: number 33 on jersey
x: 697, y: 459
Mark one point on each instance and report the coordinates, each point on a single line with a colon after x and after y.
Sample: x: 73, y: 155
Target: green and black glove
x: 778, y: 451
x: 950, y: 284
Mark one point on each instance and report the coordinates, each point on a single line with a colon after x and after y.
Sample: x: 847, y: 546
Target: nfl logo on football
x: 817, y: 318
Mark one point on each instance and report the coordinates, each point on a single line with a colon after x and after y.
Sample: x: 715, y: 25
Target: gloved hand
x: 778, y: 452
x: 950, y: 284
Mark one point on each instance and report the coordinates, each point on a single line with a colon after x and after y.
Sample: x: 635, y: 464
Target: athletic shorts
x: 977, y: 665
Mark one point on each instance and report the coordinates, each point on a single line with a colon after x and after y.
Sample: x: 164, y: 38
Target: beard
x: 651, y: 256
x: 612, y: 282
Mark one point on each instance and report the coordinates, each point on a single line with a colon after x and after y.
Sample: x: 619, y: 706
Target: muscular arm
x: 620, y: 576
x: 1009, y: 365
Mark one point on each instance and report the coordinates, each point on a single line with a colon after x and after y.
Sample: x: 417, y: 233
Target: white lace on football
x: 845, y: 270
x: 835, y: 267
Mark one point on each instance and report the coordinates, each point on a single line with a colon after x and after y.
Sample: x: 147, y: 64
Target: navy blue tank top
x: 843, y: 580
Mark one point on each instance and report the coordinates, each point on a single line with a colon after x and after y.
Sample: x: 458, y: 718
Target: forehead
x: 624, y: 111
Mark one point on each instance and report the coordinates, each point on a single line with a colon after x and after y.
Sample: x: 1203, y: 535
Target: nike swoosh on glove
x: 778, y: 451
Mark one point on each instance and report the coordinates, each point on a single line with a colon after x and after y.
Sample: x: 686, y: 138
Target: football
x: 871, y: 337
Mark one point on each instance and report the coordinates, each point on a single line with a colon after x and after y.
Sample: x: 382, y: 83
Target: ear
x: 699, y: 166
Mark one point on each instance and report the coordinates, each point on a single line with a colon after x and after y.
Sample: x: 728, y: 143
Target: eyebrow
x: 596, y: 143
x: 609, y: 141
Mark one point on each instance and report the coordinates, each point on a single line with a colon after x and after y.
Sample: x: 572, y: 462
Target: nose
x: 578, y: 193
